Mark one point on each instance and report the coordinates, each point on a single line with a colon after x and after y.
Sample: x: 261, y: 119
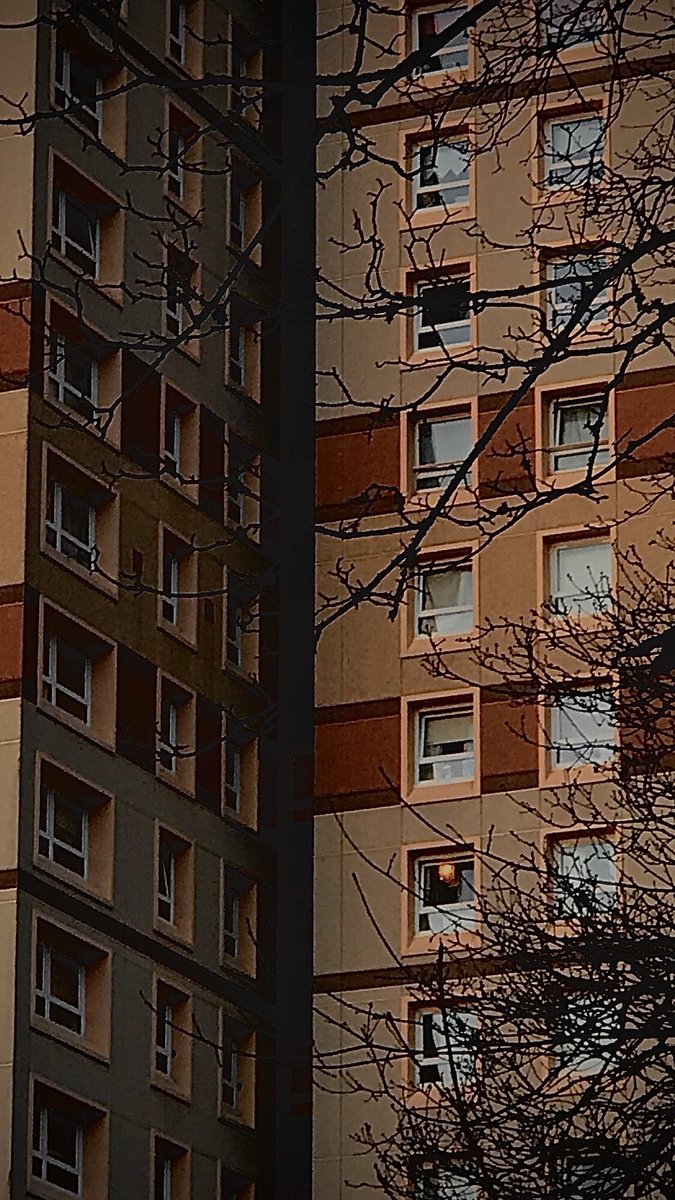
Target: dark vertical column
x: 296, y: 598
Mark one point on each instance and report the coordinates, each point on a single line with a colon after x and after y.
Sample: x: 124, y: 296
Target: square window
x: 445, y: 893
x: 64, y: 832
x: 70, y: 526
x: 58, y: 1149
x: 441, y: 446
x: 441, y: 174
x: 77, y: 88
x: 66, y: 677
x: 571, y: 22
x: 581, y: 578
x: 444, y: 600
x: 60, y: 989
x: 443, y: 315
x: 73, y: 377
x: 445, y: 746
x: 570, y: 282
x: 574, y: 151
x: 583, y: 729
x: 76, y: 231
x: 429, y: 24
x: 579, y: 433
x: 583, y: 876
x: 445, y: 1046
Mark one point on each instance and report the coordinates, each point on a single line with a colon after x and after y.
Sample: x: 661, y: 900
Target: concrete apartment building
x: 383, y: 720
x: 153, y: 880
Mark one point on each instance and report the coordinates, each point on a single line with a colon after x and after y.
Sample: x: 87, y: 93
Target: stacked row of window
x: 582, y: 876
x: 119, y: 699
x: 75, y: 841
x: 69, y: 1153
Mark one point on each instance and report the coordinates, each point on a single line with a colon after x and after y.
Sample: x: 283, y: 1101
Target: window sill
x: 426, y: 944
x: 422, y: 501
x: 439, y: 216
x: 161, y: 1084
x: 230, y: 1116
x: 432, y: 357
x: 444, y: 643
x: 65, y: 1037
x: 70, y: 416
x: 171, y: 934
x: 172, y: 779
x: 190, y: 642
x: 108, y: 291
x: 557, y: 777
x: 55, y: 871
x: 429, y: 793
x: 64, y: 718
x: 94, y: 578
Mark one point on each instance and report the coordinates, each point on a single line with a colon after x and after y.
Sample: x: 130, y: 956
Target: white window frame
x: 420, y: 469
x: 560, y: 747
x: 178, y: 38
x: 238, y: 206
x: 57, y: 374
x: 166, y: 882
x: 565, y: 450
x: 63, y: 199
x: 422, y: 614
x: 444, y: 918
x: 231, y: 913
x: 167, y: 1172
x: 169, y: 748
x: 172, y: 454
x: 237, y: 355
x: 424, y: 189
x: 432, y: 714
x: 176, y: 167
x: 591, y: 599
x: 40, y: 1153
x: 63, y: 83
x: 231, y: 1080
x: 51, y: 1002
x: 551, y: 27
x: 558, y: 315
x: 171, y: 599
x: 439, y: 330
x: 164, y: 1050
x: 62, y: 535
x: 463, y: 48
x: 232, y: 782
x: 561, y: 855
x: 464, y: 1069
x: 53, y: 842
x: 50, y: 679
x: 593, y: 160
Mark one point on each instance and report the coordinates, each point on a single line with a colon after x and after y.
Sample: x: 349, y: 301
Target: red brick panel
x: 14, y: 343
x: 638, y: 411
x: 11, y: 640
x: 508, y: 744
x: 354, y: 462
x: 352, y: 754
x: 508, y: 464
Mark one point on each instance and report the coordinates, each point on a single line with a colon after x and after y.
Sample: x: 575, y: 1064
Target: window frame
x: 91, y: 116
x: 559, y: 449
x: 465, y: 47
x: 40, y: 1152
x: 60, y: 348
x: 557, y: 316
x: 437, y: 330
x: 557, y: 747
x: 442, y: 1062
x: 443, y: 469
x: 439, y: 567
x: 50, y: 679
x: 55, y: 526
x: 420, y: 189
x: 581, y: 604
x: 562, y: 904
x: 462, y: 920
x: 45, y: 956
x: 62, y: 198
x: 594, y: 164
x: 430, y: 713
x: 166, y: 881
x: 52, y: 841
x: 177, y: 37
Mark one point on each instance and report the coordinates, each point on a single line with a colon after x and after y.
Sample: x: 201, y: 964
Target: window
x: 445, y: 1046
x: 176, y: 733
x: 584, y: 875
x: 445, y: 895
x: 58, y: 1149
x: 179, y: 274
x: 574, y: 151
x: 163, y: 1173
x: 175, y: 183
x: 243, y: 346
x: 238, y: 918
x: 178, y: 30
x: 246, y: 63
x: 569, y: 291
x: 581, y: 575
x: 233, y: 1186
x: 571, y: 22
x: 441, y: 175
x: 587, y: 1033
x: 241, y: 473
x: 60, y: 989
x: 445, y: 746
x: 77, y: 88
x: 233, y: 773
x: 70, y: 524
x: 66, y: 678
x: 175, y: 884
x: 443, y: 317
x: 582, y: 729
x: 76, y: 231
x: 73, y: 377
x: 431, y: 23
x: 245, y: 195
x: 237, y: 1069
x: 230, y: 1073
x: 579, y: 433
x: 166, y: 882
x: 444, y: 600
x: 441, y: 446
x: 443, y: 1182
x: 591, y: 1174
x: 172, y: 1050
x: 172, y: 440
x: 239, y: 619
x: 64, y: 832
x: 170, y: 586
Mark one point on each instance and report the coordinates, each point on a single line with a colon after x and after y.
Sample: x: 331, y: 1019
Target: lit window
x: 166, y: 881
x: 77, y: 88
x: 582, y: 729
x: 446, y: 1182
x: 73, y: 376
x: 445, y: 748
x: 70, y: 524
x: 571, y: 22
x: 569, y: 283
x: 445, y: 1046
x: 444, y: 600
x: 574, y: 151
x: 76, y: 232
x: 442, y: 175
x: 584, y: 876
x: 579, y: 433
x: 587, y: 1033
x: 444, y: 314
x: 58, y: 1150
x: 430, y: 24
x: 581, y: 577
x: 66, y: 678
x: 59, y: 989
x: 445, y: 895
x: 178, y: 30
x: 64, y: 832
x: 441, y: 446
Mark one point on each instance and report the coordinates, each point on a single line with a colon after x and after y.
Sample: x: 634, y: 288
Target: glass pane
x: 446, y: 441
x: 582, y: 577
x: 444, y: 167
x: 69, y: 823
x: 62, y: 1139
x: 448, y: 734
x: 447, y: 882
x: 71, y: 668
x: 455, y: 53
x: 450, y: 588
x: 65, y: 978
x: 584, y: 729
x: 578, y: 423
x: 444, y: 303
x: 75, y: 516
